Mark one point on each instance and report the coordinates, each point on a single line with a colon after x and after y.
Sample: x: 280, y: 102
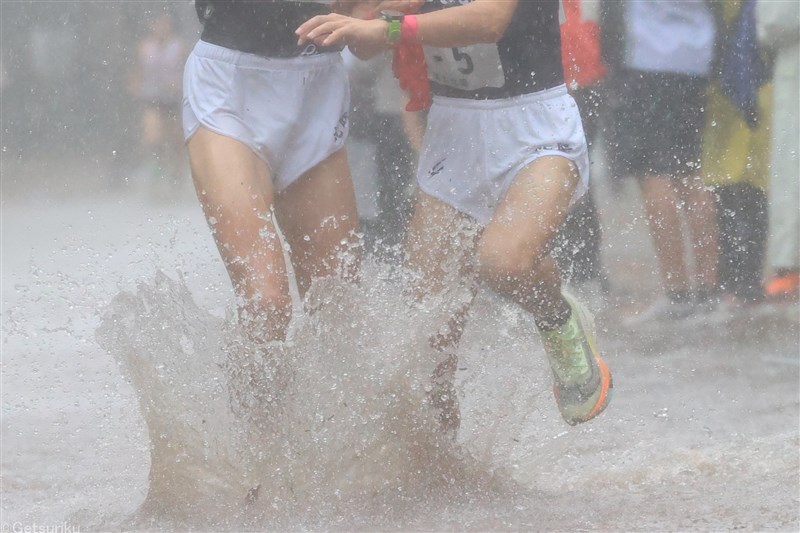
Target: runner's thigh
x: 530, y: 213
x: 235, y: 190
x: 317, y: 214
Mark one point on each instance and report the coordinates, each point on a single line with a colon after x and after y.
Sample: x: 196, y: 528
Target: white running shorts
x: 292, y: 112
x: 473, y: 149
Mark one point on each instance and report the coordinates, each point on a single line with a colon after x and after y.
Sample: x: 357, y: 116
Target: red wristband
x: 409, y: 29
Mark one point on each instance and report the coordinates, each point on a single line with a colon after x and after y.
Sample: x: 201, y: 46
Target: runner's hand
x: 338, y: 30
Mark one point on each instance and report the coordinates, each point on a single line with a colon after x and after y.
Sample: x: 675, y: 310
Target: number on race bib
x: 468, y: 68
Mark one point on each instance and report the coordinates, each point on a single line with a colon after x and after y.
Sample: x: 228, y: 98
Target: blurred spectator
x: 665, y: 62
x: 576, y: 247
x: 361, y: 145
x: 382, y: 157
x: 52, y: 63
x: 736, y: 152
x: 156, y: 83
x: 778, y: 26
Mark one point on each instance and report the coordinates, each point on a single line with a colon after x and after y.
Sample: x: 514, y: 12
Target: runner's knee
x: 266, y: 313
x: 503, y: 260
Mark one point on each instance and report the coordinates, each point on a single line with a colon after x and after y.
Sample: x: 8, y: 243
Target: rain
x: 143, y: 388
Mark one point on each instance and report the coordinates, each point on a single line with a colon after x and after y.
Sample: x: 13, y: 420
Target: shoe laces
x: 568, y: 351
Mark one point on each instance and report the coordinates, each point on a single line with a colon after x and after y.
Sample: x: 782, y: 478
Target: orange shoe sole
x: 606, y: 388
x: 785, y: 286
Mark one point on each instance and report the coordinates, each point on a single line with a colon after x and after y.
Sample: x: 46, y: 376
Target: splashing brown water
x: 331, y: 425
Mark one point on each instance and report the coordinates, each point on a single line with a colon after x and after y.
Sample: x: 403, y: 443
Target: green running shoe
x: 583, y: 381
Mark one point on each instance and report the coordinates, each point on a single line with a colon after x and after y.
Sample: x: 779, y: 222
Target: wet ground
x: 702, y: 433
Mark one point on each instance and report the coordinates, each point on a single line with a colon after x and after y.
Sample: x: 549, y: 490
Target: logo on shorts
x: 437, y: 168
x: 560, y: 147
x: 565, y: 147
x: 309, y: 50
x: 208, y: 11
x: 341, y: 127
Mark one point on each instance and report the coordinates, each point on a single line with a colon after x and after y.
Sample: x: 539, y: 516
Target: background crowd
x: 696, y: 101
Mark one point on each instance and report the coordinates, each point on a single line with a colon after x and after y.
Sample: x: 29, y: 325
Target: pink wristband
x: 409, y: 29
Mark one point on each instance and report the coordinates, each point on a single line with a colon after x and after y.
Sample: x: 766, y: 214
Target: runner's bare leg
x: 235, y: 190
x: 318, y: 217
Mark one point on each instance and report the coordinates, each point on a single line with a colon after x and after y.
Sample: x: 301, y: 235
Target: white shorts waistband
x: 523, y: 99
x: 247, y: 60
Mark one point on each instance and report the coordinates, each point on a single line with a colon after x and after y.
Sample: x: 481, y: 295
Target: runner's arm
x: 482, y: 21
x: 361, y: 9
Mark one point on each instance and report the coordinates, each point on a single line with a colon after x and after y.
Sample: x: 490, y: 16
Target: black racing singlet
x: 526, y: 59
x: 263, y: 27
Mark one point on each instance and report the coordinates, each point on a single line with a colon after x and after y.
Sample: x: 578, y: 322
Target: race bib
x: 468, y: 68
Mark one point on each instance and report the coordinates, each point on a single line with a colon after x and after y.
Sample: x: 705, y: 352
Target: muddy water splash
x: 330, y: 427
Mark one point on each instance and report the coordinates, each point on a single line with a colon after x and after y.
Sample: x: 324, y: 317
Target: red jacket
x: 580, y: 47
